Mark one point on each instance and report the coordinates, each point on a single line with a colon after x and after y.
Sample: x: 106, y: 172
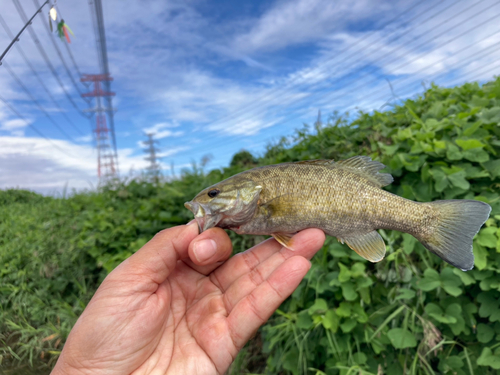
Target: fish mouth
x: 203, y: 215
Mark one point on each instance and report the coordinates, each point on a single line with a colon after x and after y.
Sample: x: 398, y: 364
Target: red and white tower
x: 107, y: 167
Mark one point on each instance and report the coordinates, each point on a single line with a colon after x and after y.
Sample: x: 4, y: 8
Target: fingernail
x: 204, y: 250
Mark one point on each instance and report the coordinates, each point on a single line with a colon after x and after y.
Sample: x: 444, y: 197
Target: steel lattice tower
x: 106, y: 158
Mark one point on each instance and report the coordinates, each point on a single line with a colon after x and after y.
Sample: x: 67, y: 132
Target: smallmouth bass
x: 345, y: 200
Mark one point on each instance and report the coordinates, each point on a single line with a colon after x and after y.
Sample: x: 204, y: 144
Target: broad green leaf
x: 468, y: 144
x: 453, y: 152
x: 487, y: 238
x: 480, y: 256
x: 434, y: 311
x: 359, y: 358
x: 331, y: 320
x: 476, y: 154
x: 408, y: 243
x: 484, y: 333
x: 440, y: 178
x: 304, y: 320
x: 345, y: 273
x: 319, y: 307
x: 348, y: 325
x: 348, y: 291
x: 344, y: 309
x: 458, y: 180
x: 493, y: 167
x: 358, y: 270
x: 487, y: 358
x: 466, y: 277
x: 430, y: 281
x: 401, y: 338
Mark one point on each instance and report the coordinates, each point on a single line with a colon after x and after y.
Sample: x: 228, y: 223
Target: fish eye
x: 213, y: 193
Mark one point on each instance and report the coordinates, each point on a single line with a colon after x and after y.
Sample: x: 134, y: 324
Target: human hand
x: 170, y: 310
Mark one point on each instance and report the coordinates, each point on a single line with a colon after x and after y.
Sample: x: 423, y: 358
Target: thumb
x: 156, y: 260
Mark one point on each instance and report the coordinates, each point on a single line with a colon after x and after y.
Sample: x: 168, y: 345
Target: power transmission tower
x: 106, y: 158
x: 154, y: 167
x: 102, y: 53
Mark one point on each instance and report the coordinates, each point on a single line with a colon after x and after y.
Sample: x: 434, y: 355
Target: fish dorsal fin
x: 285, y: 239
x: 368, y: 245
x: 368, y: 168
x: 316, y: 162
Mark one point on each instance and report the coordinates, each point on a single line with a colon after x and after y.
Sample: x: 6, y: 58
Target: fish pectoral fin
x: 368, y: 245
x: 285, y: 239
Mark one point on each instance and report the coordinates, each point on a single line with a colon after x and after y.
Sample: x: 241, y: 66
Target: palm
x: 193, y: 321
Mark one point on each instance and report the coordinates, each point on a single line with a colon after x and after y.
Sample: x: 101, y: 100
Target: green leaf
x: 480, y: 256
x: 430, y: 281
x: 348, y: 291
x: 331, y: 320
x: 487, y: 358
x: 487, y: 238
x: 468, y: 144
x: 319, y: 307
x: 440, y: 178
x: 484, y: 333
x: 345, y: 273
x: 408, y: 243
x: 348, y: 325
x: 453, y: 152
x: 304, y: 320
x: 434, y: 311
x: 493, y: 167
x: 359, y: 358
x: 476, y: 154
x: 458, y: 180
x: 401, y: 338
x: 406, y: 294
x: 466, y: 278
x: 344, y: 309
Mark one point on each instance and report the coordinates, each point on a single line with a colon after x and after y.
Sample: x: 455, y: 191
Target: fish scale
x: 345, y: 200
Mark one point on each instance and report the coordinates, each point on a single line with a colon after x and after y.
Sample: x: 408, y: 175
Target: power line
x: 326, y: 86
x: 364, y: 84
x: 51, y: 37
x: 19, y: 82
x: 14, y: 40
x: 9, y: 33
x: 45, y: 57
x: 34, y: 128
x: 337, y: 94
x: 293, y: 82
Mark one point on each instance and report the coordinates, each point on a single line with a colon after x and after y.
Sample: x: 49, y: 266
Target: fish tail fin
x: 450, y: 237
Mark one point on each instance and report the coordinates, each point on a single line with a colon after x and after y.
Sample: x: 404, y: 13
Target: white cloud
x: 47, y: 167
x: 13, y: 124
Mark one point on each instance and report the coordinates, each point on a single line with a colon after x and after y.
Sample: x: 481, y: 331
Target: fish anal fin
x: 285, y: 239
x: 368, y: 245
x: 368, y: 168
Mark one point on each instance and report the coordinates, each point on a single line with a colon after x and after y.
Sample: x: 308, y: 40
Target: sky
x: 216, y: 77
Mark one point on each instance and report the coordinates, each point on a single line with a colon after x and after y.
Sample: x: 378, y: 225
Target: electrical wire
x: 326, y: 66
x: 9, y: 33
x: 51, y: 37
x: 326, y: 86
x: 25, y: 89
x: 363, y: 84
x: 45, y: 57
x: 464, y: 62
x: 34, y: 128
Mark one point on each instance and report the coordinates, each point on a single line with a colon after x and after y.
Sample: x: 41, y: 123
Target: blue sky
x: 215, y: 77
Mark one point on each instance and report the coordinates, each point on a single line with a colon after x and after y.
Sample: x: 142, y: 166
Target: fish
x: 343, y: 198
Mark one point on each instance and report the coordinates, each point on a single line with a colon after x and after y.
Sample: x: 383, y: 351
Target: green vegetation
x: 409, y: 314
